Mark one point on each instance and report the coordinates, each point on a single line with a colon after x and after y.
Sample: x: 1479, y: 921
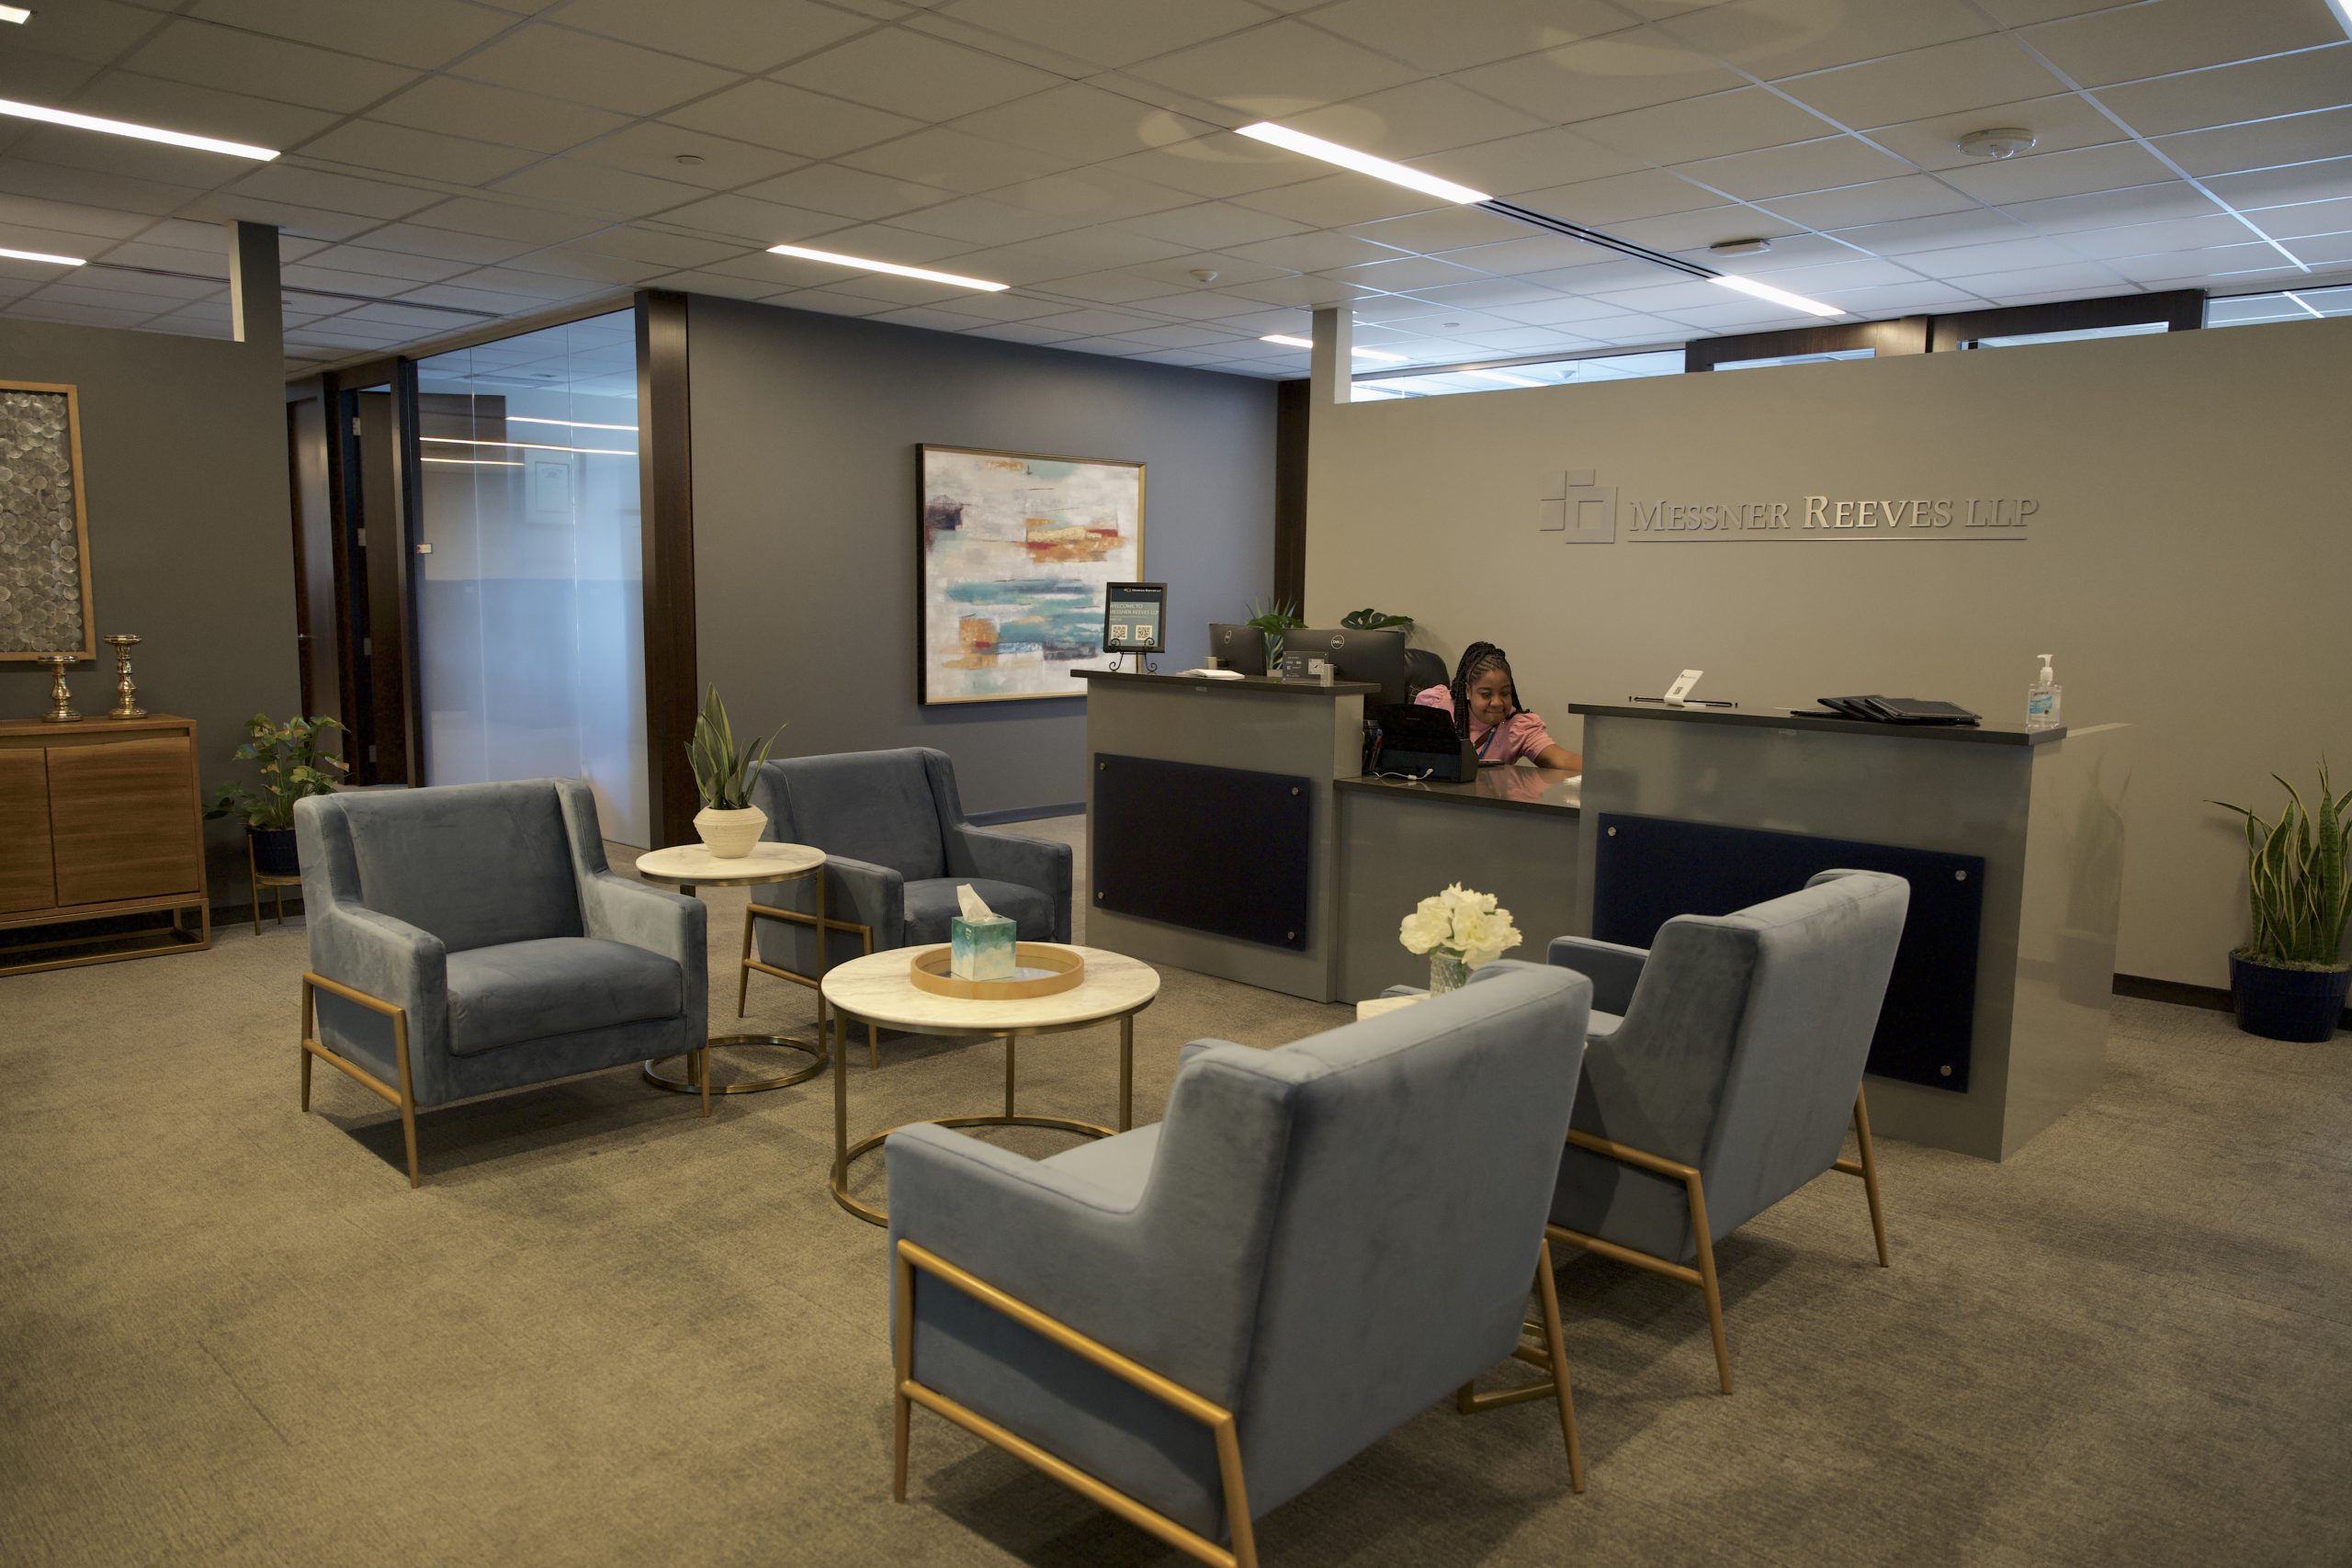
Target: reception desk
x: 1995, y: 1019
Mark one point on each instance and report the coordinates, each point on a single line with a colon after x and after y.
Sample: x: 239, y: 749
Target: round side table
x: 687, y: 866
x: 878, y: 988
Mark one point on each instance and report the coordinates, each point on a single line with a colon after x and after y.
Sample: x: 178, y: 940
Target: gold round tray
x: 929, y: 969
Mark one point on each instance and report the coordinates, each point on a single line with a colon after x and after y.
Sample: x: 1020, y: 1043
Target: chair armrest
x: 391, y: 960
x: 1614, y: 971
x: 1013, y: 857
x: 618, y: 908
x: 867, y: 895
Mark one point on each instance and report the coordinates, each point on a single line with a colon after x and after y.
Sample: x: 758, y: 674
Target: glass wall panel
x: 1494, y: 379
x: 530, y: 609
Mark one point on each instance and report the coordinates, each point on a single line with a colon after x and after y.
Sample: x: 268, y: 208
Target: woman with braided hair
x: 1484, y: 700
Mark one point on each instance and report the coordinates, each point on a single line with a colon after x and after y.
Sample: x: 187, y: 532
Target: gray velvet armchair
x: 471, y: 939
x: 1191, y: 1322
x: 1724, y: 1065
x: 897, y: 847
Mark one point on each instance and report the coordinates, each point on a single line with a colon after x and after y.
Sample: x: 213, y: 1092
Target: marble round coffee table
x: 879, y: 990
x: 687, y: 866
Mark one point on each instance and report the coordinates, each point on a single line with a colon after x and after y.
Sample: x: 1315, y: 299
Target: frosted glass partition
x: 530, y: 610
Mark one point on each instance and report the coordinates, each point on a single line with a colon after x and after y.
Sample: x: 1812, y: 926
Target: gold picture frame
x: 1014, y: 554
x: 45, y: 599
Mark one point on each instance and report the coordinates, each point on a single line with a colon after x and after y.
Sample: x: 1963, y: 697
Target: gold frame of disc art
x: 957, y: 659
x: 33, y: 522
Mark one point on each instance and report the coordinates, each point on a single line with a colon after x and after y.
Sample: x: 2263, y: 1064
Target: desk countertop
x: 1775, y: 719
x: 1246, y: 683
x: 1510, y: 787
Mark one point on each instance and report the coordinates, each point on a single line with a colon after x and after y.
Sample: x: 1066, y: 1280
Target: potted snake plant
x: 2290, y: 982
x: 291, y: 767
x: 729, y: 823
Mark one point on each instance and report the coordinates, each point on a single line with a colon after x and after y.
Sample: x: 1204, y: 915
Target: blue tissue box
x: 981, y: 950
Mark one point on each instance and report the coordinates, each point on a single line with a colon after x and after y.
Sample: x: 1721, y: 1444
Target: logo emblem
x: 1574, y: 506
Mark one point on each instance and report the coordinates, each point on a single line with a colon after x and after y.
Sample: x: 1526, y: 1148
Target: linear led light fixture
x: 867, y: 264
x: 1289, y: 342
x: 16, y: 13
x: 1275, y: 135
x: 567, y: 423
x: 530, y: 446
x: 2343, y: 9
x: 1777, y: 296
x: 141, y: 132
x: 43, y: 256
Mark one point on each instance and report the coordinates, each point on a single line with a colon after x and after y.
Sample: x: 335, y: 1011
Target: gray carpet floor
x: 607, y: 1331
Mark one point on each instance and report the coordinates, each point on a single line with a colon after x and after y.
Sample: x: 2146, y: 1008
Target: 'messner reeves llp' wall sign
x: 1585, y: 513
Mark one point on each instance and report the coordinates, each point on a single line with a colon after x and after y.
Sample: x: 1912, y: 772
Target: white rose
x: 1423, y: 930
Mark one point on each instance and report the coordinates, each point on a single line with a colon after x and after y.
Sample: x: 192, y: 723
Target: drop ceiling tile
x: 979, y: 220
x: 1945, y: 79
x: 2025, y: 13
x: 1522, y: 340
x: 2171, y: 266
x: 1109, y: 35
x: 1094, y: 194
x: 2258, y: 89
x: 497, y: 301
x: 448, y: 244
x: 1976, y: 226
x: 2083, y: 278
x: 1820, y: 164
x: 2116, y: 166
x: 1301, y: 292
x: 1313, y: 252
x: 826, y: 300
x: 2130, y: 41
x: 2295, y: 139
x: 2322, y: 250
x: 593, y: 187
x: 426, y: 154
x: 421, y: 33
x: 501, y: 219
x: 133, y: 288
x: 588, y: 69
x: 745, y: 289
x: 1022, y: 331
x: 1896, y: 299
x: 1414, y: 121
x: 1336, y: 201
x: 2007, y: 255
x: 900, y: 290
x: 1218, y: 164
x: 722, y: 32
x: 930, y: 318
x: 334, y: 193
x: 1387, y: 310
x: 1881, y: 201
x: 852, y: 193
x: 1446, y: 228
x: 1557, y: 312
x: 1408, y: 273
x: 619, y: 272
x: 1844, y: 274
x: 1204, y: 305
x: 387, y: 264
x: 1188, y: 358
x: 1182, y: 337
x: 206, y: 111
x: 652, y: 147
x: 1276, y: 70
x: 1721, y: 123
x: 456, y: 108
x: 957, y: 162
x: 1443, y: 38
x: 310, y: 222
x: 89, y: 31
x: 2174, y: 235
x: 1076, y: 115
x: 908, y: 74
x: 20, y: 214
x: 1516, y: 258
x: 1499, y: 294
x: 652, y: 245
x: 2322, y: 181
x: 539, y: 285
x: 1645, y: 193
x: 762, y: 222
x: 1778, y: 38
x: 1516, y: 165
x: 1212, y: 225
x: 2059, y: 123
x: 1063, y: 255
x: 120, y: 157
x: 1690, y: 230
x: 889, y: 241
x: 37, y: 309
x: 213, y: 261
x: 1633, y: 69
x: 30, y: 75
x: 187, y: 50
x: 1597, y: 277
x: 2151, y: 203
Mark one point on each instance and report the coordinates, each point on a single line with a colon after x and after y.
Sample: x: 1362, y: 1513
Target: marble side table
x: 687, y: 866
x: 879, y: 990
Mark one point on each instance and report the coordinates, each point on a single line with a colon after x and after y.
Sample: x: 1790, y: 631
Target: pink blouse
x: 1521, y: 735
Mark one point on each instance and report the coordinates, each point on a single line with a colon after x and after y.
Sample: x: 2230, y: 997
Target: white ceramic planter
x: 730, y: 835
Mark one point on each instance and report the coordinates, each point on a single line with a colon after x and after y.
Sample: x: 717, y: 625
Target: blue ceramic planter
x: 2287, y: 1004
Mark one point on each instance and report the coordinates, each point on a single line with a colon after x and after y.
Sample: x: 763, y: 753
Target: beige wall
x: 2189, y: 564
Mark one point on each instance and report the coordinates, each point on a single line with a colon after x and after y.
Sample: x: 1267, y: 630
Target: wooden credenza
x: 100, y: 821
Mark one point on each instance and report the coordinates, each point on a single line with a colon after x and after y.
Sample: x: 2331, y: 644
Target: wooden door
x: 122, y: 816
x: 26, y: 881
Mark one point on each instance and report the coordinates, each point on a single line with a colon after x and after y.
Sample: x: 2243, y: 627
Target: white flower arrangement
x: 1460, y: 925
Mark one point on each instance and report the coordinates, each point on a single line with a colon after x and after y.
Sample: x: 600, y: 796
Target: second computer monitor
x: 1378, y: 657
x: 1241, y: 648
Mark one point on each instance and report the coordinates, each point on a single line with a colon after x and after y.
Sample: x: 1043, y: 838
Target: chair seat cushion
x: 1601, y: 1025
x: 1119, y: 1166
x: 930, y: 904
x: 530, y: 990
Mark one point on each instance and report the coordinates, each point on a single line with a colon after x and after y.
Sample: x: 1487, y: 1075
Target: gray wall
x: 191, y: 539
x: 2188, y: 565
x: 805, y: 430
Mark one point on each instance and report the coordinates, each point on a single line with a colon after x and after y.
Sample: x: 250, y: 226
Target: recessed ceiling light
x: 142, y: 132
x: 1289, y: 342
x: 689, y: 159
x: 15, y: 14
x: 1739, y: 247
x: 1362, y: 163
x: 43, y: 256
x: 866, y: 265
x: 1778, y: 295
x: 2000, y: 142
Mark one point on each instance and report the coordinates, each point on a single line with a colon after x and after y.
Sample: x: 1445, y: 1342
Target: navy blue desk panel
x: 1218, y: 850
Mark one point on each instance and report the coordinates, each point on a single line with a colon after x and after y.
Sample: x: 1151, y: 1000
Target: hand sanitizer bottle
x: 2041, y: 698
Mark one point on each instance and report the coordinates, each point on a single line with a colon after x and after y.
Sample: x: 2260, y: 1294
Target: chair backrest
x: 1419, y: 1154
x: 1424, y: 670
x: 475, y: 864
x: 878, y: 806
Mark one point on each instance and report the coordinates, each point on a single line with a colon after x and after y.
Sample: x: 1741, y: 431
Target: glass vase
x: 1447, y: 972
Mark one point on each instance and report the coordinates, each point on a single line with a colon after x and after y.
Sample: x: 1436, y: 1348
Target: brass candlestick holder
x: 125, y: 694
x: 61, y: 696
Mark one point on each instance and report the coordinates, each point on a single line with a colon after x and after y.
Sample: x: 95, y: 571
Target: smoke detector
x: 1204, y: 275
x: 2000, y: 142
x: 688, y: 160
x: 1739, y: 247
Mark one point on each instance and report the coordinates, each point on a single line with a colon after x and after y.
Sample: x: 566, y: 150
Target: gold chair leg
x: 1870, y: 1175
x: 309, y: 1002
x: 902, y: 1341
x: 1237, y: 1498
x: 1706, y: 1247
x: 701, y: 1072
x: 1548, y: 1290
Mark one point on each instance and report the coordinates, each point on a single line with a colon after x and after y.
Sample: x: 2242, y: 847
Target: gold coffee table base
x: 684, y: 1083
x: 874, y: 1217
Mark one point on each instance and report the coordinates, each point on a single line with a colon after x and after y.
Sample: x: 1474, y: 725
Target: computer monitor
x: 1238, y: 649
x: 1134, y: 617
x: 1378, y: 656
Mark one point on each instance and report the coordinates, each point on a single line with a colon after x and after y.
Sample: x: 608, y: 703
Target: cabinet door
x: 122, y: 815
x: 25, y: 879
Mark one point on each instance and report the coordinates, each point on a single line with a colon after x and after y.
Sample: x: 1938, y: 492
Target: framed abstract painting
x: 44, y: 536
x: 1015, y: 553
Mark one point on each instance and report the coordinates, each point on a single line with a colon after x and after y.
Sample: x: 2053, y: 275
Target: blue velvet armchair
x: 471, y: 939
x: 1723, y: 1066
x: 897, y: 847
x: 1191, y: 1322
